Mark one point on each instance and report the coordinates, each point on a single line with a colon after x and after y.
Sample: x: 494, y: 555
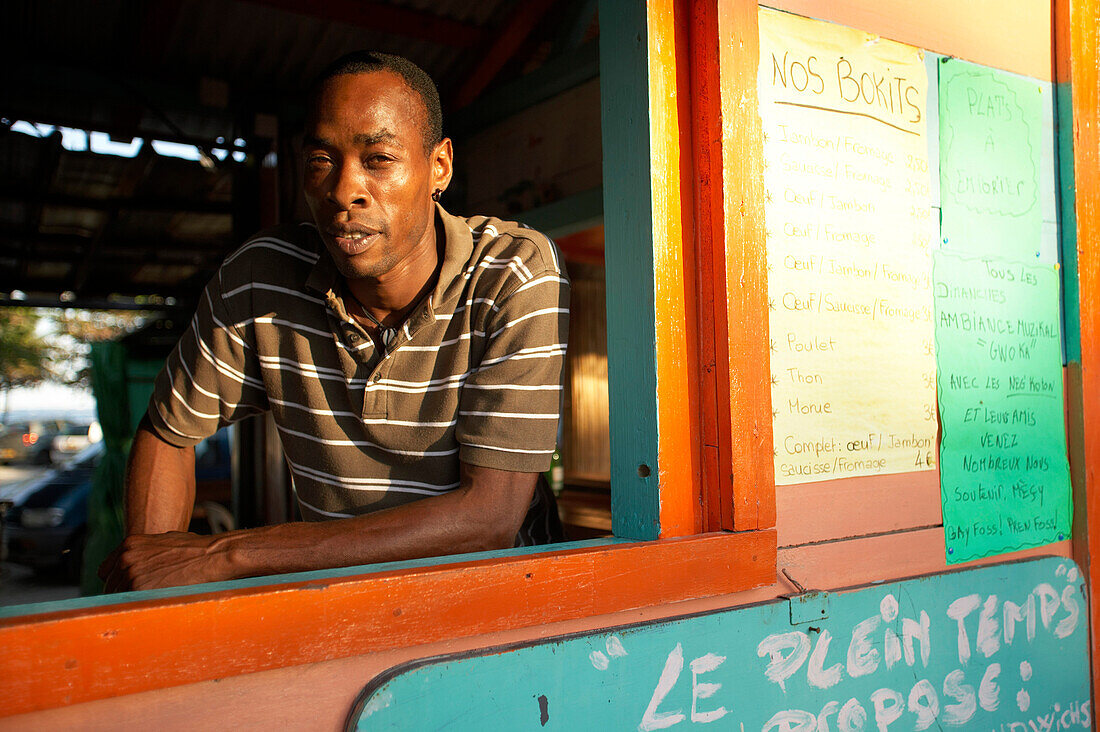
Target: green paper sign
x: 1004, y: 476
x: 990, y: 124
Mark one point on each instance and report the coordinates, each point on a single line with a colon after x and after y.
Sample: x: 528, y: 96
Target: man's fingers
x: 108, y: 564
x: 116, y: 581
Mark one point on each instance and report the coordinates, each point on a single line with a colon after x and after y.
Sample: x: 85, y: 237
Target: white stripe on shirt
x: 532, y: 314
x: 272, y: 288
x: 366, y: 443
x: 509, y: 415
x: 278, y: 245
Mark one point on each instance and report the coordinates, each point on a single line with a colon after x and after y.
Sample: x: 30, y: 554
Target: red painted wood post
x: 1076, y: 37
x: 752, y: 467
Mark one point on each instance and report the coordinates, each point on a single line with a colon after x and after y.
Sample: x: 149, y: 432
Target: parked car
x: 45, y: 528
x: 74, y: 439
x: 30, y: 441
x: 47, y: 524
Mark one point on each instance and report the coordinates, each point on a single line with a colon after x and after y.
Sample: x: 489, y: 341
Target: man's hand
x: 151, y: 561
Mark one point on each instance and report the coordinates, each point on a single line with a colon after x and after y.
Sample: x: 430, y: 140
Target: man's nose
x: 348, y: 189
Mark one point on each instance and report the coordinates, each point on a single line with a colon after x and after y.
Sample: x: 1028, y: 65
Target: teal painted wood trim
x: 567, y: 216
x: 628, y: 256
x: 274, y: 581
x: 1067, y: 202
x: 557, y: 75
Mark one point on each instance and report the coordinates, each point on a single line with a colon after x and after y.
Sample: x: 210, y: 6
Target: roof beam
x: 124, y: 203
x: 557, y: 75
x: 136, y: 172
x: 387, y: 19
x: 508, y: 40
x: 83, y: 97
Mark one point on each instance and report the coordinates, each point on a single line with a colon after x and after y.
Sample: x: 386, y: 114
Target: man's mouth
x: 352, y: 241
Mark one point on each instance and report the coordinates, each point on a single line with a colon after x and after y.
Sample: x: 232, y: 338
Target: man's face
x: 368, y: 179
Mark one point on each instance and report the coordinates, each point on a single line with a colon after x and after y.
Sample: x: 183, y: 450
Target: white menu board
x: 849, y: 228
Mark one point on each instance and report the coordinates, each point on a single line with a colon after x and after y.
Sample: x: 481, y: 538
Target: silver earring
x: 436, y: 194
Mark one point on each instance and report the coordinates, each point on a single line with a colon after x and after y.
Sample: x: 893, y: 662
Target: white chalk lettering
x: 911, y: 629
x: 1049, y: 600
x: 925, y: 703
x: 989, y: 692
x: 852, y: 717
x: 781, y: 667
x: 699, y: 690
x: 888, y: 707
x: 958, y: 610
x: 967, y: 704
x: 1013, y: 615
x: 862, y: 656
x: 652, y: 719
x: 817, y: 676
x: 989, y: 630
x: 791, y: 720
x: 1068, y: 624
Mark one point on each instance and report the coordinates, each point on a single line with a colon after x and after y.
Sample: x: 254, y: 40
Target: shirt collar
x: 458, y: 244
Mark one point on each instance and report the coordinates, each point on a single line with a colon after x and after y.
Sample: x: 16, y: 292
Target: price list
x: 849, y: 232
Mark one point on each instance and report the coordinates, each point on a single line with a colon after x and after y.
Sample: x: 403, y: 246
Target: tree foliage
x: 78, y: 329
x: 52, y: 345
x: 27, y: 357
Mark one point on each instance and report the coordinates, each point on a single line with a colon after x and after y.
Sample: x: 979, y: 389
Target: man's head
x: 365, y: 62
x: 373, y: 157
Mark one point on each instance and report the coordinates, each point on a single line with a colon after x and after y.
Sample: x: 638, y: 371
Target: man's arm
x: 160, y: 484
x: 485, y: 512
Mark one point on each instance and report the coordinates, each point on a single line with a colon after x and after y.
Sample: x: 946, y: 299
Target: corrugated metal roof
x: 153, y: 225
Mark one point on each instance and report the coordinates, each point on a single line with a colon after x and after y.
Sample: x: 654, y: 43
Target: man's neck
x: 390, y: 297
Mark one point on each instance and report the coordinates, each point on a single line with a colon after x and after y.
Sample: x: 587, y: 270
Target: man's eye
x: 318, y: 160
x: 378, y: 160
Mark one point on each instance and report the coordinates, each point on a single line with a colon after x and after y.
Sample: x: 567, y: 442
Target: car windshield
x: 86, y: 458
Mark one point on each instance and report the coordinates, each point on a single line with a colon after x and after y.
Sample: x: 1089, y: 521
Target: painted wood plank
x: 568, y: 216
x: 716, y: 510
x: 905, y: 554
x: 325, y: 690
x: 674, y: 285
x: 850, y: 507
x: 99, y: 602
x: 70, y: 657
x: 538, y: 157
x: 1076, y: 38
x: 628, y: 253
x: 1013, y: 36
x: 745, y: 261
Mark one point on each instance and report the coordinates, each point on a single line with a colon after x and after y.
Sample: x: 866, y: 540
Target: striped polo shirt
x: 474, y: 375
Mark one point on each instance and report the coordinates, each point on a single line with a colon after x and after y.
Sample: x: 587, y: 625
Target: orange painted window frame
x: 161, y: 640
x: 73, y: 656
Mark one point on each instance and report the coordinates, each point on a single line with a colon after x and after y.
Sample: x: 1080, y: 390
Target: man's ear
x: 442, y: 165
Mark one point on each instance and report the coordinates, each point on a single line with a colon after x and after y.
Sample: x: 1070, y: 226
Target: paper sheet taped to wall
x: 849, y: 231
x: 1004, y: 473
x: 990, y: 124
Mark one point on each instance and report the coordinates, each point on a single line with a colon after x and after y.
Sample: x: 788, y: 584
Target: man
x: 412, y: 361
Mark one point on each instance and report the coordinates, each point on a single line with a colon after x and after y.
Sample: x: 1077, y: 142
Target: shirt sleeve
x: 211, y: 379
x: 510, y: 406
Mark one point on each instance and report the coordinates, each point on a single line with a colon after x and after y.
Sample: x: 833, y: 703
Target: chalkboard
x: 1001, y: 647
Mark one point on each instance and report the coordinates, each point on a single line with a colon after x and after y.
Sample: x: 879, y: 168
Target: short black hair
x: 365, y: 62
